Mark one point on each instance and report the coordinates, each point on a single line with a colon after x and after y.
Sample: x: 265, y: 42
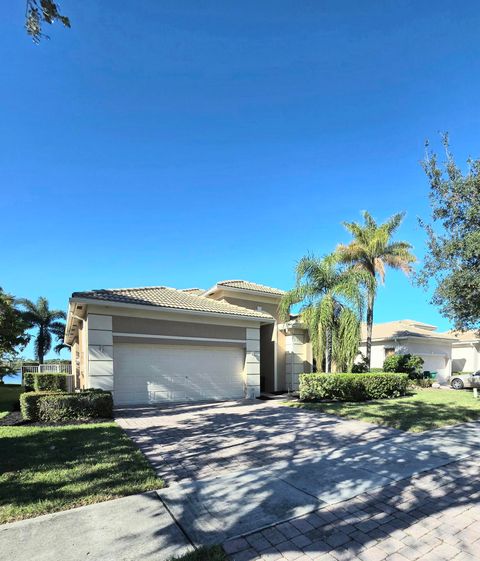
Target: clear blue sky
x: 180, y: 143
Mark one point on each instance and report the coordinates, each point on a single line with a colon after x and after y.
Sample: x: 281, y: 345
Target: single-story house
x: 159, y: 344
x: 414, y: 337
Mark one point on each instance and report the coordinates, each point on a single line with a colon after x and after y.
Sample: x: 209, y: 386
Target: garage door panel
x: 161, y: 373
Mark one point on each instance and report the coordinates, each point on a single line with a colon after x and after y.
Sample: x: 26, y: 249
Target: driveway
x: 236, y: 468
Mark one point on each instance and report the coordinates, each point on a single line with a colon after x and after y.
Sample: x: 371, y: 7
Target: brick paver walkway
x: 434, y: 516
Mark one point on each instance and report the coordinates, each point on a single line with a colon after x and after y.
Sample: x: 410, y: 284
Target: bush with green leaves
x: 62, y: 406
x: 50, y: 381
x: 352, y: 387
x: 406, y: 363
x: 29, y: 381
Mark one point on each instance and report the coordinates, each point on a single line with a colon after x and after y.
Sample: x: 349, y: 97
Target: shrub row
x: 45, y: 381
x: 61, y: 406
x: 352, y: 387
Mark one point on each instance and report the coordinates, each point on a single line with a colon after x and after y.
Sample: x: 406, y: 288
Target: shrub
x: 352, y: 387
x: 49, y: 381
x: 408, y: 364
x: 28, y: 381
x: 62, y: 406
x: 361, y: 366
x: 29, y: 404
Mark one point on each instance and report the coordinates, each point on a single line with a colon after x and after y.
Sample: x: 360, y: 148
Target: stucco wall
x: 466, y: 358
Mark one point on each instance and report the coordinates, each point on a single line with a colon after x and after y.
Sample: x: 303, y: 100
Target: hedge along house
x: 159, y: 344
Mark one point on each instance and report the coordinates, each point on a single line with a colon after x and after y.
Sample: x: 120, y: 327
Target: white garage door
x: 159, y: 373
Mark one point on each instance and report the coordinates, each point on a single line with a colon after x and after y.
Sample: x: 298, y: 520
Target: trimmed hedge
x: 29, y: 381
x: 50, y: 381
x: 352, y: 387
x: 61, y: 406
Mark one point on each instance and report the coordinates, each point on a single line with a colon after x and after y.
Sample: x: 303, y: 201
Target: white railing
x: 53, y: 368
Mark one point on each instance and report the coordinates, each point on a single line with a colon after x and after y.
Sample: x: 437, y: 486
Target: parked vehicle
x: 460, y: 381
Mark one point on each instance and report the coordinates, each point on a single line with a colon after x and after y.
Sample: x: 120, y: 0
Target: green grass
x: 48, y: 469
x: 422, y: 410
x: 206, y: 553
x: 9, y: 394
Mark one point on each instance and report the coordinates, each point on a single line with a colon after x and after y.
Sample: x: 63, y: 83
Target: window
x: 389, y: 351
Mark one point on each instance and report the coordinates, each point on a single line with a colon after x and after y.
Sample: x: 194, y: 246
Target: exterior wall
x: 107, y: 325
x: 123, y: 324
x: 466, y: 357
x: 252, y: 363
x: 275, y: 380
x: 297, y: 350
x: 79, y: 358
x: 100, y: 352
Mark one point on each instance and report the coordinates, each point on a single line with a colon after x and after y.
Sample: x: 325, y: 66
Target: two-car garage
x: 152, y: 373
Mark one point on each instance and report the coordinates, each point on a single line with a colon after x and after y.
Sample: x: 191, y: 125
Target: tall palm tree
x: 371, y: 251
x: 331, y: 306
x: 39, y: 315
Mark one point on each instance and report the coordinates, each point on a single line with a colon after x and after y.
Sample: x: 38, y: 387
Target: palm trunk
x: 327, y: 352
x: 370, y: 304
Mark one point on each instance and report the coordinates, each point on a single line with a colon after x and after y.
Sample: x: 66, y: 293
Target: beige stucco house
x: 444, y: 353
x: 160, y: 344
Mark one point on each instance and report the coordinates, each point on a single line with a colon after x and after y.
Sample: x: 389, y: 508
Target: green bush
x: 29, y: 404
x: 352, y: 387
x: 62, y: 406
x: 422, y: 382
x: 50, y: 381
x: 28, y: 381
x: 407, y: 363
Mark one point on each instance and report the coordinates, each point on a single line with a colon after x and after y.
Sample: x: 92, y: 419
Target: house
x: 159, y: 344
x: 414, y: 337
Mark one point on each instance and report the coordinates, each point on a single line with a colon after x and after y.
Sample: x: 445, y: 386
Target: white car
x: 460, y: 381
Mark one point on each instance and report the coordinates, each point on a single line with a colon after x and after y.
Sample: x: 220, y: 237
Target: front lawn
x: 47, y: 469
x: 9, y: 394
x: 422, y: 410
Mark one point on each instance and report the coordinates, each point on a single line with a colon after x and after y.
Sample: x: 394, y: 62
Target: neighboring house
x: 409, y: 336
x: 465, y: 351
x: 159, y: 344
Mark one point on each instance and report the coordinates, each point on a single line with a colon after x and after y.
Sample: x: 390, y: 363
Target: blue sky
x: 159, y: 142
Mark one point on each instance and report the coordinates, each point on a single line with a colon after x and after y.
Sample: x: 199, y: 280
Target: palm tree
x: 371, y: 251
x: 331, y: 306
x: 38, y: 315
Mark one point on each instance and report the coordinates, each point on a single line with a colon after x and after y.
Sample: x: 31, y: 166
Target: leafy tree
x: 39, y: 12
x: 331, y: 307
x: 13, y: 335
x: 38, y: 315
x: 371, y: 251
x: 453, y: 257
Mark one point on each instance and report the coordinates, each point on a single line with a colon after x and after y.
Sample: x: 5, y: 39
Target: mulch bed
x: 15, y: 419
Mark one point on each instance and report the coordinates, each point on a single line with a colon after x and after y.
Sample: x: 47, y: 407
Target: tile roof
x: 164, y: 297
x: 246, y: 285
x: 404, y: 328
x: 197, y: 291
x: 465, y: 336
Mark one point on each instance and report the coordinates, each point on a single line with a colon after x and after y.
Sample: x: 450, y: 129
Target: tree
x: 371, y: 251
x: 38, y: 315
x: 331, y: 307
x: 13, y: 335
x: 39, y: 12
x: 452, y: 261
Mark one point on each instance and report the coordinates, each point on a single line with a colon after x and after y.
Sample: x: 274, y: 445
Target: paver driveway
x: 237, y: 468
